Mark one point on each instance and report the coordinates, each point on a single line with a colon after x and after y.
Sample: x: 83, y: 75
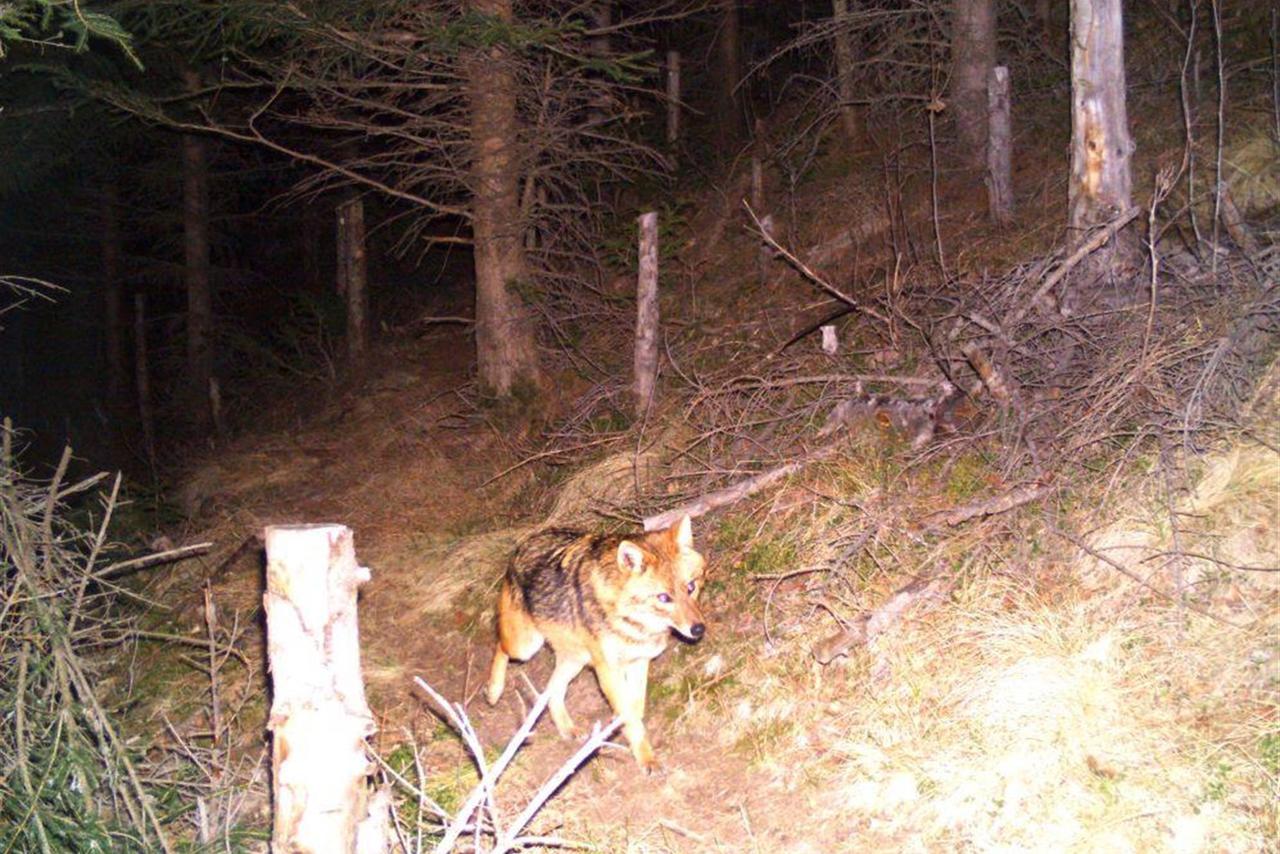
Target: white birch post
x: 646, y: 357
x: 673, y: 98
x: 999, y: 145
x: 319, y: 715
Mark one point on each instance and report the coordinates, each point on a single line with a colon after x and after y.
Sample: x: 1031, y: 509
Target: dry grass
x: 1037, y: 712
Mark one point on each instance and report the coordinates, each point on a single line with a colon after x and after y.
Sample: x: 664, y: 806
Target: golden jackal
x: 607, y: 601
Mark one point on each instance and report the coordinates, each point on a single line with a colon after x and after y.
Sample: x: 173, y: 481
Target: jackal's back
x: 553, y: 575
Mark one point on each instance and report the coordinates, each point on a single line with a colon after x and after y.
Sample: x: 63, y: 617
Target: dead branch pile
x: 69, y: 781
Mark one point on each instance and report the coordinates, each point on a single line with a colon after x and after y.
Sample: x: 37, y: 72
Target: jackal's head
x: 664, y: 579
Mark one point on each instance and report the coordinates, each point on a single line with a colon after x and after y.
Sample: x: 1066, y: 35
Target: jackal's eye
x: 691, y: 586
x: 664, y: 598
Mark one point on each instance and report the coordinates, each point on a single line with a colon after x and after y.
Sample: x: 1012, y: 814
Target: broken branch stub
x: 319, y: 715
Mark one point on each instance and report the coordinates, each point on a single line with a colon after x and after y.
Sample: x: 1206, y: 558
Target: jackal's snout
x: 688, y: 621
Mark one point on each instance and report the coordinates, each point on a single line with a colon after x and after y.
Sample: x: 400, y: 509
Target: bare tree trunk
x: 353, y: 278
x: 506, y: 348
x: 313, y: 232
x: 319, y: 716
x: 973, y: 52
x: 844, y: 74
x: 999, y: 145
x: 142, y: 379
x: 600, y: 48
x: 673, y: 98
x: 1044, y: 16
x: 1100, y: 186
x: 195, y: 245
x: 646, y: 357
x: 727, y: 109
x: 112, y: 286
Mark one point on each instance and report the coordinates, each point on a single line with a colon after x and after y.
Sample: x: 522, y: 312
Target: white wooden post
x: 319, y: 715
x: 646, y: 357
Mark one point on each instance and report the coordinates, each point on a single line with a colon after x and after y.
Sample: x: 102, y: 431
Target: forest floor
x: 1049, y: 701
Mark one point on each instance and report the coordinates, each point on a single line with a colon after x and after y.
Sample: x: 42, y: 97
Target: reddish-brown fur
x: 605, y: 601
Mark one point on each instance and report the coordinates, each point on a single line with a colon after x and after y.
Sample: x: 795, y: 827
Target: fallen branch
x: 704, y: 504
x: 1139, y: 580
x: 170, y: 556
x: 987, y: 372
x: 808, y: 273
x: 1002, y: 503
x: 870, y: 624
x: 1085, y: 249
x: 918, y: 417
x: 510, y: 840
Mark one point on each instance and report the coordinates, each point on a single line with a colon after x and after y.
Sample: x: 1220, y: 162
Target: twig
x: 1133, y: 576
x: 1001, y: 503
x: 808, y: 273
x: 553, y: 452
x: 704, y: 504
x: 479, y: 793
x: 872, y: 623
x: 599, y: 735
x: 170, y: 556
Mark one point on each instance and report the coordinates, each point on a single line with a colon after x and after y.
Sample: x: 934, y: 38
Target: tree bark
x: 973, y: 53
x: 506, y: 348
x: 142, y: 379
x: 319, y: 716
x: 1100, y: 186
x: 673, y: 98
x: 314, y: 232
x: 646, y: 356
x: 999, y: 145
x: 195, y: 245
x: 600, y: 49
x: 727, y: 109
x: 112, y: 287
x: 844, y: 74
x: 353, y: 278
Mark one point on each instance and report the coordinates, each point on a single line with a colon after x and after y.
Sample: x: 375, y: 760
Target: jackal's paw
x: 645, y: 758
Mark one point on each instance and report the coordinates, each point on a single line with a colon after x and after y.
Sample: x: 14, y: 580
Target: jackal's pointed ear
x: 682, y: 533
x: 630, y: 557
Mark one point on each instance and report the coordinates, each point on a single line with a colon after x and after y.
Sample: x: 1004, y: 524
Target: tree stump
x: 319, y: 715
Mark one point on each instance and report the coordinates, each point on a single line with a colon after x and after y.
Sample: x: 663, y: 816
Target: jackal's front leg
x: 566, y: 670
x: 624, y: 687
